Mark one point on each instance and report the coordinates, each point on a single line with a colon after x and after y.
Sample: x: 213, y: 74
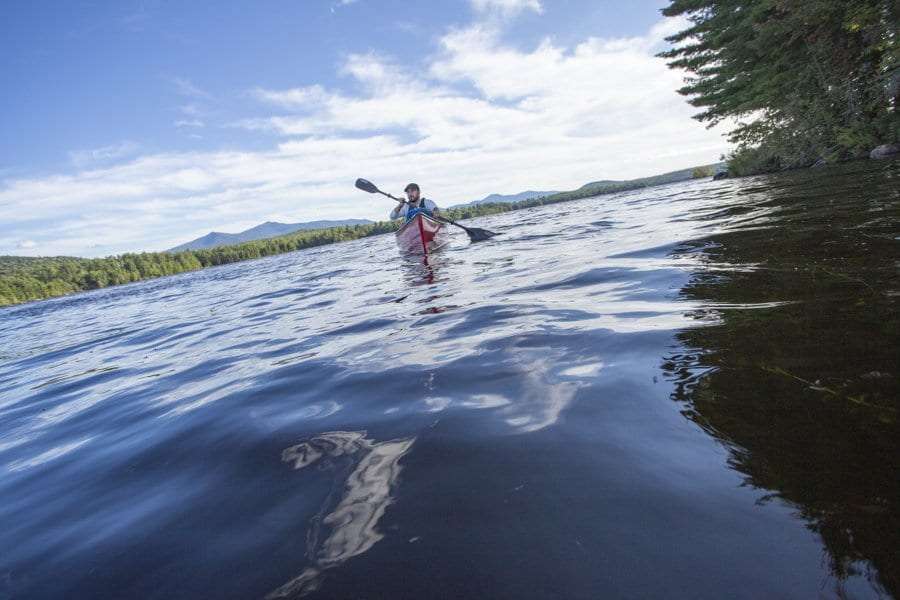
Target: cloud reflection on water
x: 541, y: 399
x: 352, y: 523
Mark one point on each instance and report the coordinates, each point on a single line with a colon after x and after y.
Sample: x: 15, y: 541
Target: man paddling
x: 412, y: 191
x: 414, y: 201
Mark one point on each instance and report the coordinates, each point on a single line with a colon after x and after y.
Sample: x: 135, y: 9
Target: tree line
x: 24, y: 279
x: 805, y: 80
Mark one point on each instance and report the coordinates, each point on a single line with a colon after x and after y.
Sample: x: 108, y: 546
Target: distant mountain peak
x: 498, y: 198
x: 262, y: 231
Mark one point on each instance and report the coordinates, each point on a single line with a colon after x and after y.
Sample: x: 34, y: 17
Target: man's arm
x: 396, y: 213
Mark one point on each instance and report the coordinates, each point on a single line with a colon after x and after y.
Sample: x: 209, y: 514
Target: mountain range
x: 497, y: 198
x: 265, y: 230
x: 605, y: 186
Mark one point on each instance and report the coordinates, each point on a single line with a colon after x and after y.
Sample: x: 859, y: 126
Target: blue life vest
x: 412, y: 211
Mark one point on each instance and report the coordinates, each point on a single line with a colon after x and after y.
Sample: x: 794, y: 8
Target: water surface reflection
x: 805, y: 392
x: 365, y: 494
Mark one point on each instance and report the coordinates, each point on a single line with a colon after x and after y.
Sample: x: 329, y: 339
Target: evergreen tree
x: 805, y: 79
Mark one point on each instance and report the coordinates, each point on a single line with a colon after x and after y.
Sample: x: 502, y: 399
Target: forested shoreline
x: 807, y: 81
x: 24, y: 279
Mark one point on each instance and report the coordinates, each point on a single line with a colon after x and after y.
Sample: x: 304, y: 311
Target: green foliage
x: 23, y: 279
x: 752, y: 160
x: 804, y: 79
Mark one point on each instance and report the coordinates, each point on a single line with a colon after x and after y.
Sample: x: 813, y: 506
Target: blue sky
x: 136, y: 125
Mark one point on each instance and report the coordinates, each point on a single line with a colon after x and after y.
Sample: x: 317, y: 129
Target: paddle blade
x: 479, y: 235
x: 366, y: 186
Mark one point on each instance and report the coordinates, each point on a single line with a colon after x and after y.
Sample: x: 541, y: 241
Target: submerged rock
x: 885, y: 151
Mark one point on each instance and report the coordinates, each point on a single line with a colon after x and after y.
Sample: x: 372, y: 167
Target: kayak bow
x: 421, y: 234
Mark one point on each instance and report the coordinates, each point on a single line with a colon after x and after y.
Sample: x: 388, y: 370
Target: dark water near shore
x: 686, y: 391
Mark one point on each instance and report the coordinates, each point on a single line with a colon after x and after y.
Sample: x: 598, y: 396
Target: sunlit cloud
x: 91, y: 157
x: 341, y: 4
x: 187, y: 88
x: 191, y: 110
x: 507, y: 7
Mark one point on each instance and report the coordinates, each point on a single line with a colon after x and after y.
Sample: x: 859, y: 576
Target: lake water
x: 685, y: 391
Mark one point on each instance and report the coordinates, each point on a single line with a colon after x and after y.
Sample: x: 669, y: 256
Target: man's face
x: 412, y: 195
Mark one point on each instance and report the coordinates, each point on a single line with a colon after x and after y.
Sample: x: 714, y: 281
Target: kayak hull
x: 421, y: 235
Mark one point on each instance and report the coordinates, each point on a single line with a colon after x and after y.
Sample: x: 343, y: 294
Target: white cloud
x: 26, y: 244
x: 304, y: 97
x: 341, y: 4
x: 199, y: 106
x: 186, y: 88
x: 191, y: 110
x: 507, y: 7
x: 475, y: 120
x: 104, y: 154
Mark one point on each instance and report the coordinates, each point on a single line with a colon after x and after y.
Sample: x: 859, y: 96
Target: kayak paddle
x: 367, y: 186
x: 475, y: 234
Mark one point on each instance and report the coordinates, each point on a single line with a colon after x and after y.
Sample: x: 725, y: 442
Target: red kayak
x: 422, y: 234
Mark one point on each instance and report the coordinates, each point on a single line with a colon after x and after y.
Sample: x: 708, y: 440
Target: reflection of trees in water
x: 805, y: 395
x: 352, y: 523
